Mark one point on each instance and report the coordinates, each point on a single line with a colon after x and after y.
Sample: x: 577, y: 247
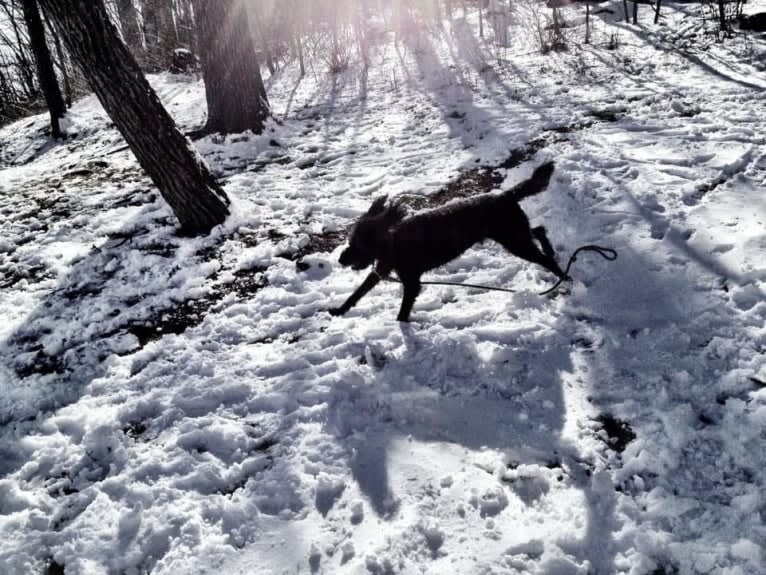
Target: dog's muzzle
x: 349, y: 257
x: 345, y: 258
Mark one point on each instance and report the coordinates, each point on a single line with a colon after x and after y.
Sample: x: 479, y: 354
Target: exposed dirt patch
x: 190, y: 313
x: 134, y: 429
x: 14, y: 272
x: 479, y: 180
x: 32, y: 358
x: 617, y: 434
x: 40, y: 363
x: 606, y: 115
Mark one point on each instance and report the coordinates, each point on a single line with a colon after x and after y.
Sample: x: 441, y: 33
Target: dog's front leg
x: 411, y: 291
x: 370, y: 282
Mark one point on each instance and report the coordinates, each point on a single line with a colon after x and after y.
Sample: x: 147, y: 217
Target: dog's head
x: 369, y: 232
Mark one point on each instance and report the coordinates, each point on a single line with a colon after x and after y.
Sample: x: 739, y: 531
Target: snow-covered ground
x: 186, y: 405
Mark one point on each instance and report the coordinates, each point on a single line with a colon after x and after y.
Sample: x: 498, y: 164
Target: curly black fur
x: 413, y: 245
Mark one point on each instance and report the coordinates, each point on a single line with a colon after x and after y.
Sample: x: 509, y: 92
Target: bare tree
x: 131, y: 29
x: 167, y: 156
x: 236, y: 98
x: 260, y: 16
x: 45, y: 71
x: 297, y: 32
x: 160, y: 34
x: 18, y: 46
x: 185, y: 24
x: 61, y: 63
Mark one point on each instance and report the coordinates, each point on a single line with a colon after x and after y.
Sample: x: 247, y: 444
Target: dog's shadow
x: 471, y: 391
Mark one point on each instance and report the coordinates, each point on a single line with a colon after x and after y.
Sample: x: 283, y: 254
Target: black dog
x: 413, y: 245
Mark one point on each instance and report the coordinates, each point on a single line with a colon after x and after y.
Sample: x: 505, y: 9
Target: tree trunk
x: 265, y: 43
x: 61, y: 63
x: 297, y: 35
x: 45, y: 72
x: 159, y: 33
x: 657, y: 11
x: 185, y: 25
x: 722, y: 14
x: 236, y: 98
x: 167, y: 156
x: 131, y: 31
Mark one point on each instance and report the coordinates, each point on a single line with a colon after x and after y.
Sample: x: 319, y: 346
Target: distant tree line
x: 165, y: 35
x: 52, y: 50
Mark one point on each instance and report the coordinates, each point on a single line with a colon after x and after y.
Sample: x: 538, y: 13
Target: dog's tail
x: 537, y: 182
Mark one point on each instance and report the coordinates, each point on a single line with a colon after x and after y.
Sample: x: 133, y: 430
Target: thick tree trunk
x: 236, y: 98
x: 166, y: 155
x: 262, y: 35
x: 185, y: 25
x: 159, y: 32
x: 61, y: 63
x: 131, y: 31
x: 45, y: 72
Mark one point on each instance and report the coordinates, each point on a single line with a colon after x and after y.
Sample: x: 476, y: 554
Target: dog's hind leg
x: 526, y: 249
x: 411, y: 291
x: 542, y: 238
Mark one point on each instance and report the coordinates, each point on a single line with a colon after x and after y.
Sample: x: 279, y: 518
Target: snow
x: 618, y: 428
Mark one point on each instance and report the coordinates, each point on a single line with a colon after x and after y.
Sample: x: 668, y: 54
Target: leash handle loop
x: 607, y: 253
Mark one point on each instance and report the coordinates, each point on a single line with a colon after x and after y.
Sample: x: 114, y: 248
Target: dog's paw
x: 336, y: 311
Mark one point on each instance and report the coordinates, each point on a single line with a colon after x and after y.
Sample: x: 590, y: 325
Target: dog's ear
x: 378, y: 206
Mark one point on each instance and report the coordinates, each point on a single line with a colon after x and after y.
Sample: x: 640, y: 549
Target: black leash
x: 606, y: 253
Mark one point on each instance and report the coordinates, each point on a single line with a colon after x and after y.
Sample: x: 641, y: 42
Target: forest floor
x: 186, y: 405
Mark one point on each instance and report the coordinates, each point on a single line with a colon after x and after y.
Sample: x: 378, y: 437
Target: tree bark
x: 722, y: 14
x: 61, y: 63
x: 45, y: 72
x: 159, y: 33
x: 236, y: 98
x: 185, y: 25
x: 265, y: 43
x: 131, y: 31
x: 163, y: 152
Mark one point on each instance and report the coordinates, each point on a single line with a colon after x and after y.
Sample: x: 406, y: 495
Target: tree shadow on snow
x: 722, y: 71
x: 657, y: 332
x: 447, y: 90
x: 109, y: 301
